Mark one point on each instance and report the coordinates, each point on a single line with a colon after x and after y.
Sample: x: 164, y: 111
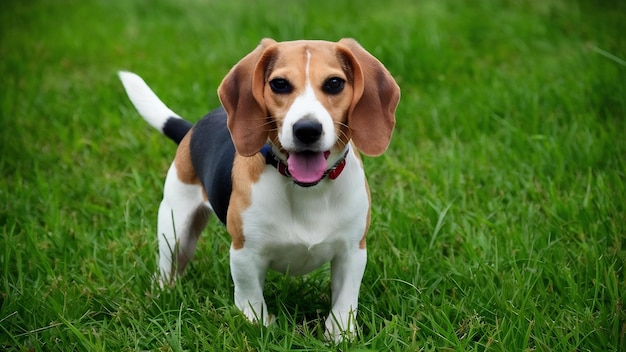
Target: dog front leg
x: 248, y: 271
x: 346, y: 275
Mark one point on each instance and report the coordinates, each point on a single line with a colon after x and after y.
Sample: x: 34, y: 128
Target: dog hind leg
x: 183, y: 214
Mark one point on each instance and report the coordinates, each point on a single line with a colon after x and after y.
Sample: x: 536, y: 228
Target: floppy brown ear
x: 372, y: 116
x: 241, y: 94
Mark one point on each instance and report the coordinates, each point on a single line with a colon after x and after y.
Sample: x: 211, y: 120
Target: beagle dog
x: 278, y: 165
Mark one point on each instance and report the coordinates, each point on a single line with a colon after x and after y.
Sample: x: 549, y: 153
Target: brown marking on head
x: 315, y: 60
x: 241, y: 94
x: 182, y: 161
x: 246, y: 172
x: 362, y: 111
x: 372, y: 115
x: 330, y: 62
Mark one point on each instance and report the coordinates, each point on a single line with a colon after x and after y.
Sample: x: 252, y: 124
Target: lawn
x: 499, y: 218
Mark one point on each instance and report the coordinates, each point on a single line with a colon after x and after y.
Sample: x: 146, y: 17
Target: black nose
x: 307, y: 131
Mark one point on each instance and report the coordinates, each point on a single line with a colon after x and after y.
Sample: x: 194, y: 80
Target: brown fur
x: 364, y: 111
x: 239, y: 94
x: 184, y: 168
x: 246, y: 171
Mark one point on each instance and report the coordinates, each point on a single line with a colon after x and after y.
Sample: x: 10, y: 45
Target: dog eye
x: 280, y: 86
x: 333, y: 85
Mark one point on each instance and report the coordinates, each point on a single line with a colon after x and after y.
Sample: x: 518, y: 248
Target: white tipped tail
x: 149, y: 106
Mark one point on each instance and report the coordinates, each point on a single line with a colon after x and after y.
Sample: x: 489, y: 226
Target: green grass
x: 498, y: 217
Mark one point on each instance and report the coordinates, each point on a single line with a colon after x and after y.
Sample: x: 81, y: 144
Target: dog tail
x: 152, y: 109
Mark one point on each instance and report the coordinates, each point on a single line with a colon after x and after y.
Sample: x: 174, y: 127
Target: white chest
x: 299, y: 229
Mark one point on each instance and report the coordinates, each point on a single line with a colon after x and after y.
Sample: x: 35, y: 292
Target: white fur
x: 307, y: 106
x: 149, y: 106
x: 181, y: 205
x: 317, y: 225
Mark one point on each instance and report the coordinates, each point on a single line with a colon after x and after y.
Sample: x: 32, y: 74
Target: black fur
x: 176, y: 128
x: 212, y: 155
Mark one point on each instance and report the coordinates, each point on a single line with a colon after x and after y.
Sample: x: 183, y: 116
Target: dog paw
x: 161, y: 282
x: 341, y: 327
x: 259, y: 315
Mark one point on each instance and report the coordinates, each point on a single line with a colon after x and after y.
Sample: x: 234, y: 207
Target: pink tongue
x: 306, y: 167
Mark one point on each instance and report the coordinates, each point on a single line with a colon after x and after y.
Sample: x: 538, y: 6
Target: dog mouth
x: 307, y: 166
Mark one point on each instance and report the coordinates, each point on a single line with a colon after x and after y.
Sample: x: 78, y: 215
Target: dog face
x: 309, y: 99
x: 307, y: 96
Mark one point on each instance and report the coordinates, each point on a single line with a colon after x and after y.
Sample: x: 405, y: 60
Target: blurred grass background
x: 498, y: 218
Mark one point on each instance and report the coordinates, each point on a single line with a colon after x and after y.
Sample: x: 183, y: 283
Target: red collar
x: 272, y: 159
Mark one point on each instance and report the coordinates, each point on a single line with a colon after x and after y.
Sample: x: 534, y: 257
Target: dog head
x: 310, y: 99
